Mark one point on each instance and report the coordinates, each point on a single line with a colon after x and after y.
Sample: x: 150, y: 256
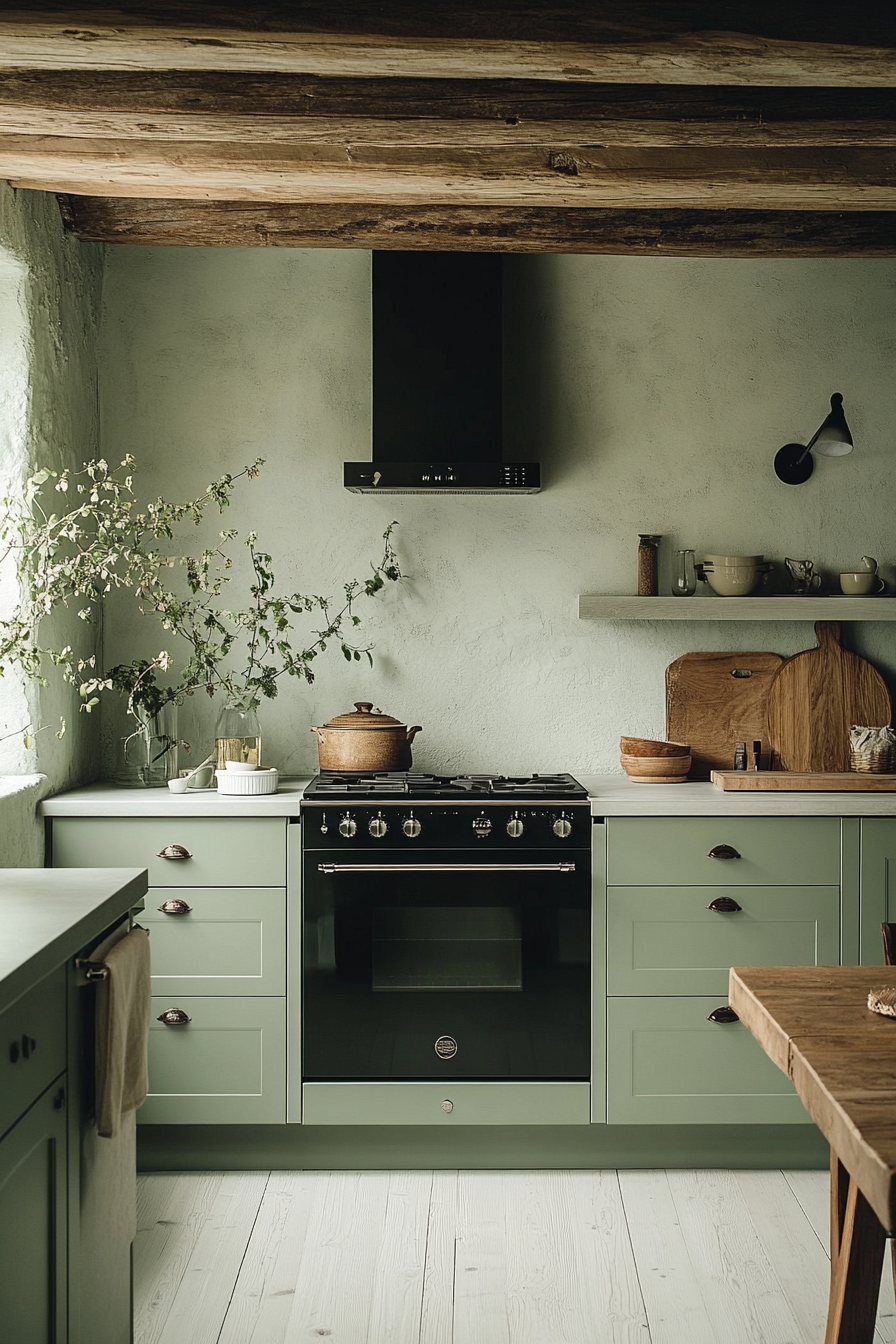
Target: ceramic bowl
x: 240, y: 767
x: 732, y: 575
x: 646, y: 746
x: 246, y: 783
x: 656, y: 769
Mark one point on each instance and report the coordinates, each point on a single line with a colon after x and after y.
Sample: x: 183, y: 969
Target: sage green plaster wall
x: 50, y: 291
x: 655, y: 392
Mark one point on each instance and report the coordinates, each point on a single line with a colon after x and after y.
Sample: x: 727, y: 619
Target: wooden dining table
x: 815, y: 1024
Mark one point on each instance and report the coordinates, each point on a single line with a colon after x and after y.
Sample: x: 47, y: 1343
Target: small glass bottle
x: 684, y: 576
x: 237, y: 737
x: 648, y: 579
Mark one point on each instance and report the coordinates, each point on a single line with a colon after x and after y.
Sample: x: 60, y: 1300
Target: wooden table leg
x: 857, y: 1257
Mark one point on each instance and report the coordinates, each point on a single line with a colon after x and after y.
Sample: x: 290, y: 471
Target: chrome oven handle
x: 446, y: 867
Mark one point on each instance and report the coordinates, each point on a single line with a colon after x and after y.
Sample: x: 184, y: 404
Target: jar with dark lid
x: 648, y: 573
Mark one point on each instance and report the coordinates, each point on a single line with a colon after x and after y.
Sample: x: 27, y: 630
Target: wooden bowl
x: 645, y: 746
x: 656, y: 769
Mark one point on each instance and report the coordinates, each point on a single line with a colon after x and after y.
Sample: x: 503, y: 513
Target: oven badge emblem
x: 446, y: 1047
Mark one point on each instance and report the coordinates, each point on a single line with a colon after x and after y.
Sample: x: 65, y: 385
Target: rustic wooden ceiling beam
x: 551, y: 175
x: 266, y: 109
x: 664, y: 232
x: 202, y: 37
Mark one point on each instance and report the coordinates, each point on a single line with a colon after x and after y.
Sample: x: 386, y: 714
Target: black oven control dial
x: 481, y: 826
x: 347, y: 827
x: 378, y: 826
x: 515, y: 827
x: 562, y: 827
x: 411, y: 827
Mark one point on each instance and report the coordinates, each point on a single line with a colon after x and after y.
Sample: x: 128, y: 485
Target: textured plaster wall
x: 50, y: 293
x: 655, y: 392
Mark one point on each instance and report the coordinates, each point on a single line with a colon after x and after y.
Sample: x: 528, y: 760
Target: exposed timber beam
x: 697, y: 44
x: 550, y: 175
x: 672, y: 233
x: 271, y: 109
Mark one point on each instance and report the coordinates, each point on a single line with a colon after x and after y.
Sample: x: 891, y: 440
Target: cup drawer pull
x: 723, y: 1014
x: 723, y: 852
x: 174, y: 1017
x: 723, y: 905
x: 175, y: 906
x: 174, y: 852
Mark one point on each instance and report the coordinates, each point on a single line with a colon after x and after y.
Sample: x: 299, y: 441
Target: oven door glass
x: 431, y: 970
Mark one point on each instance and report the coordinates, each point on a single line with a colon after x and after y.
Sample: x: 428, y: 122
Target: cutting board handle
x: 828, y: 633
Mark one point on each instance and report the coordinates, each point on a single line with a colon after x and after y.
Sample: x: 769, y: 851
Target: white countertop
x: 611, y: 796
x: 47, y: 915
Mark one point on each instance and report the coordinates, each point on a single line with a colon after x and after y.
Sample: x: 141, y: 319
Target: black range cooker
x: 446, y: 928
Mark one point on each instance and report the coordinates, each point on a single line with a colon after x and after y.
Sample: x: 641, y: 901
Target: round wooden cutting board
x: 814, y: 700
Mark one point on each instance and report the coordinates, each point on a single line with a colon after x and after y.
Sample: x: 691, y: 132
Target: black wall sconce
x: 793, y: 462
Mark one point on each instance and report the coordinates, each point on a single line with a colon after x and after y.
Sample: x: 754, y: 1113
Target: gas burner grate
x: 417, y: 785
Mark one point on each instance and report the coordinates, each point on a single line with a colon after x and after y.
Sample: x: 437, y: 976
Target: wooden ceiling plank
x: 179, y: 127
x: 45, y: 42
x: 661, y: 232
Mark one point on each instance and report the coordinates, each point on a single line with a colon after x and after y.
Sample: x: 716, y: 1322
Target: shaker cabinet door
x: 877, y: 885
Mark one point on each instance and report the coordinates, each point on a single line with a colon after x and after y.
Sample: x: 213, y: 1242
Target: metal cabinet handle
x: 59, y: 1100
x: 724, y: 905
x: 174, y: 852
x: 14, y: 1053
x: 29, y: 1045
x: 723, y: 852
x: 723, y: 1014
x: 174, y: 906
x: 174, y: 1017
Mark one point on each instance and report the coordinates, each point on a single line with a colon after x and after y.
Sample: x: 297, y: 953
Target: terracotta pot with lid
x: 364, y: 741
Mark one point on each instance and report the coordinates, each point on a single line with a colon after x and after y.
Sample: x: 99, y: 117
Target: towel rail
x: 93, y: 971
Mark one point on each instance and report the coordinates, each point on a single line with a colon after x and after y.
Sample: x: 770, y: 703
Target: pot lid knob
x: 364, y: 706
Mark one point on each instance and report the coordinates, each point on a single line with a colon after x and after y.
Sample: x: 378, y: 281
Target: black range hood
x: 437, y: 379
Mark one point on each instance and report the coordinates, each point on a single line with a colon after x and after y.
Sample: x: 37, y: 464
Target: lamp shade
x: 834, y: 438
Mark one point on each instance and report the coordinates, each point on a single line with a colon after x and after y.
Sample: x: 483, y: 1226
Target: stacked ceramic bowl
x: 732, y: 575
x: 646, y: 761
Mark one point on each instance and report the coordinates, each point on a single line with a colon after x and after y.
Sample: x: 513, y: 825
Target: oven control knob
x: 411, y: 827
x: 482, y: 826
x: 562, y: 828
x: 347, y: 827
x: 514, y: 827
x: 378, y: 827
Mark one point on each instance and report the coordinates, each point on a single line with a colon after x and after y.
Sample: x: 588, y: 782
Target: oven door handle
x: 446, y: 867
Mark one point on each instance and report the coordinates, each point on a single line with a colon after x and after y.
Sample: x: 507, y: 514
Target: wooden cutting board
x: 775, y: 781
x: 814, y: 700
x: 714, y: 700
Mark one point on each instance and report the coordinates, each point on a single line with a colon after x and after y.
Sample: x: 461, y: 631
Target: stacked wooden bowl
x: 648, y: 762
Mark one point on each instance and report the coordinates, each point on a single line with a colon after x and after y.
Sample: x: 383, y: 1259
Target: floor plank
x: 437, y: 1311
x: 202, y: 1297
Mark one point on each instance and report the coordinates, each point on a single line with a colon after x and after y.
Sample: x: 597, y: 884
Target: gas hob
x: 432, y: 788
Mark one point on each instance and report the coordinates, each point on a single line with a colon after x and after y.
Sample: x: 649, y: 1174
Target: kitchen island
x: 47, y: 919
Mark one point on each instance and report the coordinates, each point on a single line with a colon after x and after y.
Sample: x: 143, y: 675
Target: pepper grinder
x: 648, y: 578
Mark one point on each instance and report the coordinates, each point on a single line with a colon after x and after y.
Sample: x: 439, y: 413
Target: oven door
x: 446, y: 966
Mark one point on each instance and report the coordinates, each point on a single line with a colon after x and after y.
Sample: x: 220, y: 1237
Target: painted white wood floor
x: 486, y: 1257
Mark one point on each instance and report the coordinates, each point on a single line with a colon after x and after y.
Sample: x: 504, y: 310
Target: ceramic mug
x: 861, y: 583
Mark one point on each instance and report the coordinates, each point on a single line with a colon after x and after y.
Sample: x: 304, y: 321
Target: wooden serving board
x: 814, y: 700
x: 714, y: 700
x: 785, y: 781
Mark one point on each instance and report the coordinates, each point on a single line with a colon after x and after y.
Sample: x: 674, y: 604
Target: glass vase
x: 684, y: 576
x: 148, y: 754
x: 237, y: 737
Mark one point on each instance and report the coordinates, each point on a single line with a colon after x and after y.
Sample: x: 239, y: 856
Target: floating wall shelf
x: 605, y: 608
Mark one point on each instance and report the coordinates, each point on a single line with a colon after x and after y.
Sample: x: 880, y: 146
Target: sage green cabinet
x: 244, y: 852
x: 218, y: 940
x: 447, y: 1103
x: 676, y: 851
x: 668, y: 1064
x: 877, y: 884
x: 227, y: 1065
x: 684, y: 940
x: 32, y: 1046
x: 33, y: 1224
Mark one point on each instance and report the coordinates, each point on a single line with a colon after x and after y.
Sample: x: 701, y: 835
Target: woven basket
x: 872, y: 761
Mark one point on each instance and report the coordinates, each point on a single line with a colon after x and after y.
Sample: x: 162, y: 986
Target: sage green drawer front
x: 232, y: 940
x: 666, y: 1064
x: 674, y: 851
x: 226, y: 1066
x: 245, y: 852
x: 32, y: 1046
x: 664, y: 940
x: 446, y: 1103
